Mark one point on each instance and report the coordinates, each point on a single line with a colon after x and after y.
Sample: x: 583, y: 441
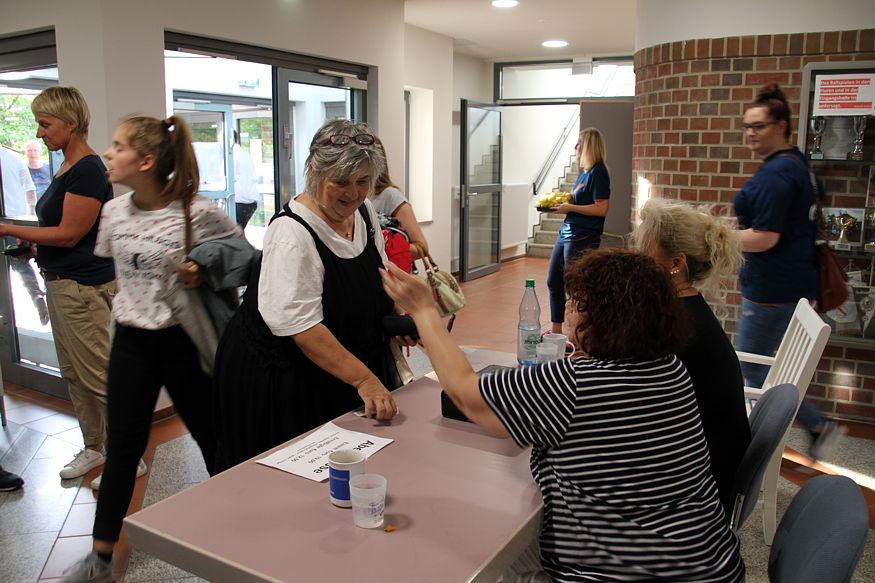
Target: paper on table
x: 308, y: 457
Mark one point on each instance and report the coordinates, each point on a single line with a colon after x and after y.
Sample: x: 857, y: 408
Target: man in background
x: 18, y: 188
x: 245, y: 181
x: 39, y: 171
x: 19, y: 199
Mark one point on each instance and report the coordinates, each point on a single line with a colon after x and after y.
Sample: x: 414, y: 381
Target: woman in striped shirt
x: 617, y: 444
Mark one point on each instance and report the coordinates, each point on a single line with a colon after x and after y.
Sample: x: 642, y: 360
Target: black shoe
x: 9, y: 481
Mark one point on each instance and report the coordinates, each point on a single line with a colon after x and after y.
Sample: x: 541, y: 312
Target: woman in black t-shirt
x: 697, y: 248
x: 79, y: 285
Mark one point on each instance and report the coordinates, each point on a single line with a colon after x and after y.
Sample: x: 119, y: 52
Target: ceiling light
x: 504, y: 3
x: 554, y: 44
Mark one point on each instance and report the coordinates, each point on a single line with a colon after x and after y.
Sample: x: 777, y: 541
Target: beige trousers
x: 80, y: 316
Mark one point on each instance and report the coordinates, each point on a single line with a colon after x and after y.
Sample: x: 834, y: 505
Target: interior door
x: 480, y: 190
x: 211, y: 126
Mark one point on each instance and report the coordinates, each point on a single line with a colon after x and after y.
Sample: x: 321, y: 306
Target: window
x: 558, y: 80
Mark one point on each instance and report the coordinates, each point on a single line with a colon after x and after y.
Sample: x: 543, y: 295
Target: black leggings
x: 140, y: 363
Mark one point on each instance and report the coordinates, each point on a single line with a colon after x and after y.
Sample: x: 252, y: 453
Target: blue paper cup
x: 343, y: 464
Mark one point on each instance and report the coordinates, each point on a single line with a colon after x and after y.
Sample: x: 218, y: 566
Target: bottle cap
x: 530, y: 283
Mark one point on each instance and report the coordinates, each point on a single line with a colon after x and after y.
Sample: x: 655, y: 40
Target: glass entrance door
x: 211, y: 126
x: 480, y: 193
x: 304, y: 102
x: 27, y: 347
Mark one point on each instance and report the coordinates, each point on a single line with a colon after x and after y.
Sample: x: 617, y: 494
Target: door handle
x: 287, y: 141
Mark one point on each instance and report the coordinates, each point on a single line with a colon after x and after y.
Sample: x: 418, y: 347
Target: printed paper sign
x: 851, y: 94
x: 308, y: 457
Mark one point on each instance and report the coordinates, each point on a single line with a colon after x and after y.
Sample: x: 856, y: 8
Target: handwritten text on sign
x: 308, y: 457
x: 851, y: 94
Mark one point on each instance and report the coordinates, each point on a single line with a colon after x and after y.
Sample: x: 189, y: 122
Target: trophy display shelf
x: 836, y: 124
x: 853, y: 324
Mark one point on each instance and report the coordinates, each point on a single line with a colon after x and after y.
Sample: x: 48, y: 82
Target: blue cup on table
x: 343, y: 464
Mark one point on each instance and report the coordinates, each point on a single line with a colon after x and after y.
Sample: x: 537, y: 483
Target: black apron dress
x: 266, y: 389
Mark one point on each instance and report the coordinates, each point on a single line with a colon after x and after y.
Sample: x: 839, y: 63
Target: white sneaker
x: 828, y: 439
x: 85, y: 460
x: 141, y: 471
x: 89, y: 569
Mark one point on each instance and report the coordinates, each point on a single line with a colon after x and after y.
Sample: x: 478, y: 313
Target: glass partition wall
x: 272, y: 101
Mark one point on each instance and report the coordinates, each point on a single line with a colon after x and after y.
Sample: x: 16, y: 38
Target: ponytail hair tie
x: 168, y: 124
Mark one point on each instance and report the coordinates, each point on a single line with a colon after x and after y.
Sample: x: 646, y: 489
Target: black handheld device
x: 449, y: 409
x: 398, y: 325
x: 15, y: 249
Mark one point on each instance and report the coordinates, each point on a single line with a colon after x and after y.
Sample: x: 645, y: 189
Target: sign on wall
x: 849, y: 94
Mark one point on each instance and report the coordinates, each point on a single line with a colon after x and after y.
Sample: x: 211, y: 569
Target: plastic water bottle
x: 529, y: 327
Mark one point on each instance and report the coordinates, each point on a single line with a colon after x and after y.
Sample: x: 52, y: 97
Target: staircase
x: 545, y: 234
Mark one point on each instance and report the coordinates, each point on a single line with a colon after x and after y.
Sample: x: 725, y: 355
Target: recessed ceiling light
x: 504, y: 3
x: 554, y: 44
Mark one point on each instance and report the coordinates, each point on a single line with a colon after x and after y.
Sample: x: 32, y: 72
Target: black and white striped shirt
x: 621, y: 460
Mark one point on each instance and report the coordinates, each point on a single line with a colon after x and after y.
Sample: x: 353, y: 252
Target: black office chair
x: 769, y: 420
x: 821, y: 536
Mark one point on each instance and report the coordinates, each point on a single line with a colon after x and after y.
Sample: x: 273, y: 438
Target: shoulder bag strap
x: 821, y: 224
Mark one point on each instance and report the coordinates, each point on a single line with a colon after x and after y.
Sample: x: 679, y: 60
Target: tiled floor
x: 47, y: 525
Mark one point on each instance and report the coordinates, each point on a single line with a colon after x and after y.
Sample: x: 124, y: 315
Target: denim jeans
x: 563, y: 252
x: 760, y: 330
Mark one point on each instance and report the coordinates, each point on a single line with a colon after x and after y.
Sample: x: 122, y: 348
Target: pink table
x: 463, y: 502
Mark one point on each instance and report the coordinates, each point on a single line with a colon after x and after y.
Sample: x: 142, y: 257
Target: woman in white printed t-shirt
x: 144, y: 232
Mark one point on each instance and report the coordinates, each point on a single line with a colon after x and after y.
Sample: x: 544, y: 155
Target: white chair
x: 794, y: 363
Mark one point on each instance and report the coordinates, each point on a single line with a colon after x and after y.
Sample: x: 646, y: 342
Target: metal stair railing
x: 544, y: 172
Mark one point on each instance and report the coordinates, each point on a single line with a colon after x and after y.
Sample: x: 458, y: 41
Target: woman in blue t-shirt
x: 584, y: 220
x: 777, y: 215
x: 79, y: 285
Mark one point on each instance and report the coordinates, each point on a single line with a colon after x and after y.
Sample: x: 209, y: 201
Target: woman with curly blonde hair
x: 698, y: 250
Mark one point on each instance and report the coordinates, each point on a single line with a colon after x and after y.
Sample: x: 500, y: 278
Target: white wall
x: 674, y: 20
x: 428, y: 71
x: 529, y: 132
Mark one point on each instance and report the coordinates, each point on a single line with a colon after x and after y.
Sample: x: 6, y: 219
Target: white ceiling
x: 591, y: 27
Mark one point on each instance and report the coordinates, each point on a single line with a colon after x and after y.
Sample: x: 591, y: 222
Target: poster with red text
x: 849, y: 94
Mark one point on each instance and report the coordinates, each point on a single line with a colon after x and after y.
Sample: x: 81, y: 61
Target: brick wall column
x: 688, y: 145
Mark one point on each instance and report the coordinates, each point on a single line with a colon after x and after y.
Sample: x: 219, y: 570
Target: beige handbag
x: 448, y: 297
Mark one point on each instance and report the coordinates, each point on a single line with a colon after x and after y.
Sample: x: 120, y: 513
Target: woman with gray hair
x: 306, y: 344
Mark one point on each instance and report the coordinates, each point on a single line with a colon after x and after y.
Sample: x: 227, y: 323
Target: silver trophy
x: 858, y: 131
x: 818, y: 125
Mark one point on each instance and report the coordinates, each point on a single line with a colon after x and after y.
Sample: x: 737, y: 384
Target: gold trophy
x: 845, y: 223
x: 858, y: 132
x: 818, y: 125
x: 870, y: 243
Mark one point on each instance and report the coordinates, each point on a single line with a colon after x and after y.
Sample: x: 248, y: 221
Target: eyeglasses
x: 757, y: 127
x: 360, y: 139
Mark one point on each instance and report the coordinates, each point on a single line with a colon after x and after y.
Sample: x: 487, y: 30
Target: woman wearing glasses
x: 777, y: 215
x: 306, y: 344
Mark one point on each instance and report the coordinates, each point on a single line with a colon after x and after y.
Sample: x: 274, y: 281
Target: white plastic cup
x: 343, y: 465
x: 557, y: 340
x: 546, y: 352
x: 368, y: 495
